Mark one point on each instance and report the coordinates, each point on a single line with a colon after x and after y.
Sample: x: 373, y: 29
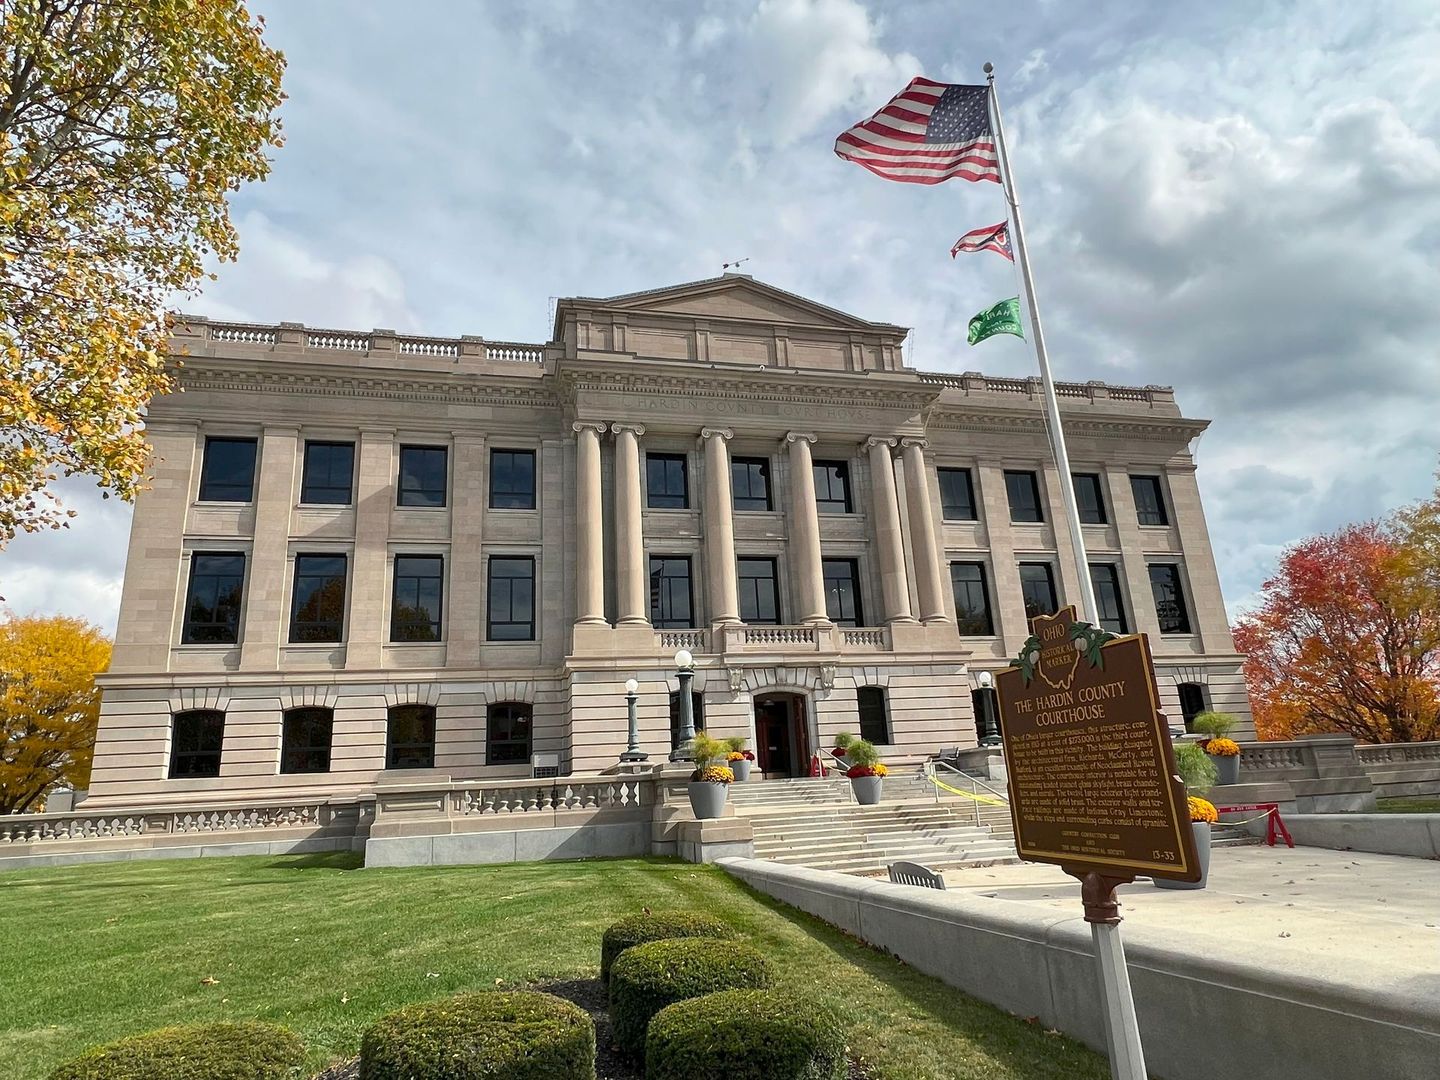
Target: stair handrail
x: 839, y: 772
x: 975, y: 785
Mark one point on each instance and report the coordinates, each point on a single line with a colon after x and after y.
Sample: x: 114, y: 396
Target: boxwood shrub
x: 648, y: 977
x: 745, y: 1035
x: 246, y: 1051
x: 497, y: 1035
x: 657, y: 926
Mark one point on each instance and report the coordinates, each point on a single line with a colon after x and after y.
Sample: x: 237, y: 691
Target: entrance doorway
x: 782, y: 736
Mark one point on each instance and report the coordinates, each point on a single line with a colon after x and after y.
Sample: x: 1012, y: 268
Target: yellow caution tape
x: 986, y: 799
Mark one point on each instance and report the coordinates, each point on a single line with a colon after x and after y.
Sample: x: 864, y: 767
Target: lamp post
x: 633, y: 751
x: 685, y: 672
x: 987, y: 723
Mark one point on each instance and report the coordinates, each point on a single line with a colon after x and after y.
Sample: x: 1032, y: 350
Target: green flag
x: 1003, y: 318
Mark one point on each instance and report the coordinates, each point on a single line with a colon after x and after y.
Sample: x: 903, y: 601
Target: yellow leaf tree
x: 49, y: 705
x: 123, y: 129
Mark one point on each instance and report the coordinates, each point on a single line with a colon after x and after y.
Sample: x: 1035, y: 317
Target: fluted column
x: 589, y: 525
x: 805, y: 530
x: 720, y: 527
x: 922, y: 533
x: 894, y: 583
x: 629, y: 530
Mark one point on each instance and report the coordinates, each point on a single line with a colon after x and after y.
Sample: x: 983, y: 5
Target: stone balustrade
x: 1402, y: 770
x: 192, y: 331
x: 541, y: 797
x: 975, y: 382
x: 1390, y: 753
x: 741, y: 638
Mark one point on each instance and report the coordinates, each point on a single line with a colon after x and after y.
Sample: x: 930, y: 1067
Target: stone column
x: 630, y: 572
x: 894, y: 583
x: 922, y: 532
x: 589, y: 525
x: 268, y: 585
x: 805, y: 530
x: 720, y: 527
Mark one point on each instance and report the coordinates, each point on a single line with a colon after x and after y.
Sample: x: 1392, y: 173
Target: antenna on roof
x: 725, y: 267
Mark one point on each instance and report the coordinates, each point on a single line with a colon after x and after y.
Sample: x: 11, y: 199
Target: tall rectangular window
x: 212, y: 602
x: 670, y: 594
x: 422, y: 476
x: 1149, y: 500
x: 750, y: 483
x: 874, y: 715
x: 512, y: 479
x: 1023, y: 489
x: 759, y: 590
x: 972, y: 599
x: 410, y: 737
x: 667, y: 486
x: 508, y: 732
x: 511, y: 613
x: 196, y: 737
x: 1089, y: 498
x: 305, y: 744
x: 1037, y: 587
x: 1105, y: 580
x: 415, y: 607
x: 228, y: 471
x: 317, y: 605
x: 842, y: 592
x: 832, y: 486
x: 1169, y: 598
x: 329, y: 476
x: 957, y: 494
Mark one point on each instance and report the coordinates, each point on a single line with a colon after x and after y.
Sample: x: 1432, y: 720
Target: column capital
x: 879, y: 440
x: 908, y: 441
x: 723, y: 433
x: 598, y: 426
x: 799, y: 436
x: 636, y: 429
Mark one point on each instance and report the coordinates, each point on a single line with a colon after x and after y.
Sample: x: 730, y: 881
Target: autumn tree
x: 49, y: 705
x: 123, y: 129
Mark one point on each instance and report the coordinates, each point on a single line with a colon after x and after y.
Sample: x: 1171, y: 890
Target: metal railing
x: 829, y: 761
x: 975, y: 785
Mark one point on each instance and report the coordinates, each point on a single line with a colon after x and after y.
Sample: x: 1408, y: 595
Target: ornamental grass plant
x: 864, y: 760
x: 1195, y: 768
x: 1214, y: 725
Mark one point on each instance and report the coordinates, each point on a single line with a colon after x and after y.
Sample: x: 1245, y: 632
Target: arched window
x: 874, y: 715
x: 697, y: 701
x: 195, y: 739
x: 305, y: 744
x: 1192, y: 702
x: 410, y: 737
x: 508, y: 733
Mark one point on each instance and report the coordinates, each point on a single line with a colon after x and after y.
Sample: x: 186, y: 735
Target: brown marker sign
x: 1092, y: 774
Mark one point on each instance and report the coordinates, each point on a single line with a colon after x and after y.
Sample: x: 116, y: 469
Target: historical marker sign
x: 1093, y: 784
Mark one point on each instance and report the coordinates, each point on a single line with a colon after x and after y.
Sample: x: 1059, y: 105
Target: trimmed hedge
x: 246, y: 1051
x: 495, y: 1034
x: 649, y: 977
x: 745, y: 1035
x: 657, y: 926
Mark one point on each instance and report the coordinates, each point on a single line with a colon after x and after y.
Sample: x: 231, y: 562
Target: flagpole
x: 1089, y: 610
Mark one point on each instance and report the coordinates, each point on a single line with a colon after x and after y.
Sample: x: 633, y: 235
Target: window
x: 329, y: 473
x: 1105, y: 580
x: 305, y: 746
x: 1037, y: 586
x: 750, y: 483
x: 1024, y: 492
x: 512, y: 479
x: 410, y: 737
x: 1089, y: 498
x: 228, y: 472
x: 1149, y: 502
x: 415, y: 607
x: 422, y: 476
x: 670, y: 592
x: 512, y: 598
x: 1169, y: 598
x: 957, y: 495
x: 507, y: 733
x: 1192, y: 702
x: 842, y: 592
x: 697, y: 706
x: 874, y: 716
x: 759, y: 590
x: 195, y: 739
x: 832, y: 486
x: 212, y: 604
x: 666, y: 484
x: 317, y: 607
x: 972, y: 599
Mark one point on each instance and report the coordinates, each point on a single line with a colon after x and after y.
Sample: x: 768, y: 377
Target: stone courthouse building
x: 369, y: 558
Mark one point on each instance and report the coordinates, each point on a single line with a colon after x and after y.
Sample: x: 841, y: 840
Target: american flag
x: 994, y: 238
x: 928, y: 132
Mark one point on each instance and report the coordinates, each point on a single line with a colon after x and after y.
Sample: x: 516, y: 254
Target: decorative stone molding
x: 871, y: 676
x: 717, y: 432
x: 880, y: 440
x: 736, y: 679
x: 638, y: 429
x: 199, y: 697
x: 308, y: 697
x: 827, y: 677
x: 427, y: 693
x: 522, y: 690
x: 796, y: 436
x: 599, y: 426
x: 913, y: 440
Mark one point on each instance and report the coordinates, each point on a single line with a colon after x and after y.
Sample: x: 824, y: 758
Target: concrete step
x: 922, y: 853
x: 801, y: 844
x: 939, y: 861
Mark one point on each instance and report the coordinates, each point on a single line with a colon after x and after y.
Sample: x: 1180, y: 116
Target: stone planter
x: 1202, y: 849
x: 707, y: 799
x: 1228, y: 768
x: 867, y: 789
x: 741, y: 768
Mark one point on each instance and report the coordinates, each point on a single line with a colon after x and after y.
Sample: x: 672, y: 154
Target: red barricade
x: 1273, y: 825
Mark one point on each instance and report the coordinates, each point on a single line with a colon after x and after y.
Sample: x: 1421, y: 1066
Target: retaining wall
x: 1417, y: 835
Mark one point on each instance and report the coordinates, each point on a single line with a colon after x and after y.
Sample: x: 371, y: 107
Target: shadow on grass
x: 319, y: 860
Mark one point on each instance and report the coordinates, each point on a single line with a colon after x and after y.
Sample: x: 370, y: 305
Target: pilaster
x: 370, y: 575
x: 266, y: 583
x: 470, y: 490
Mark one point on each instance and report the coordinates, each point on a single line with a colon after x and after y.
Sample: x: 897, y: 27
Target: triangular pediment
x: 736, y: 296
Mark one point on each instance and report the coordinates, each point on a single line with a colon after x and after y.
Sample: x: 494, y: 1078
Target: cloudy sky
x: 1240, y: 199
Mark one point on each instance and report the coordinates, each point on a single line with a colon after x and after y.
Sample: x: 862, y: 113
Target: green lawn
x: 1408, y: 806
x: 316, y: 943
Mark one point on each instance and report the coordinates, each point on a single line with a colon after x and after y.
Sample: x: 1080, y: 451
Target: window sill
x: 325, y: 506
x: 325, y: 646
x: 514, y: 509
x: 510, y: 641
x: 208, y: 646
x: 422, y: 509
x: 412, y: 644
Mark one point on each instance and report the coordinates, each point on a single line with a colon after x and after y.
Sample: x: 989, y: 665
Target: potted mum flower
x: 711, y: 780
x: 738, y: 758
x: 1196, y: 769
x: 867, y: 773
x: 1223, y: 751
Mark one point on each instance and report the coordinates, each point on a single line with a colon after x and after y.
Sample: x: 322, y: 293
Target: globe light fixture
x: 683, y: 659
x: 985, y: 680
x: 987, y: 715
x: 633, y: 752
x: 631, y: 686
x: 685, y: 675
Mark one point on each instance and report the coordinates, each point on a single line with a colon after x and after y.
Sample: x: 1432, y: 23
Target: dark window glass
x: 670, y: 597
x: 1169, y: 598
x: 507, y: 733
x: 305, y: 747
x: 1105, y: 580
x: 957, y: 495
x: 1037, y: 586
x: 329, y: 473
x: 666, y: 485
x: 1024, y: 492
x: 512, y: 598
x: 195, y: 739
x: 228, y: 473
x: 874, y: 716
x: 759, y: 590
x: 410, y: 737
x: 1149, y: 502
x: 697, y: 705
x: 842, y: 592
x: 422, y: 476
x: 1192, y: 702
x: 750, y: 483
x: 832, y: 486
x: 972, y: 599
x: 512, y: 479
x: 1089, y: 499
x: 415, y: 607
x: 212, y: 604
x: 317, y: 608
